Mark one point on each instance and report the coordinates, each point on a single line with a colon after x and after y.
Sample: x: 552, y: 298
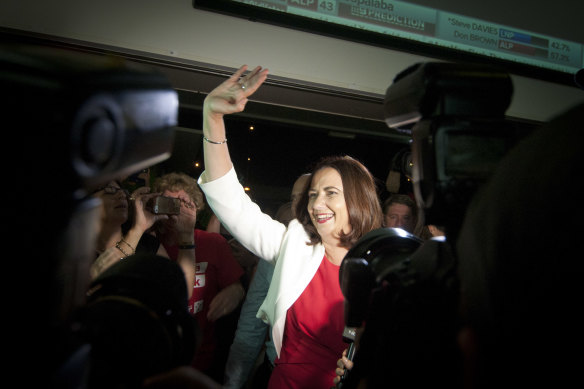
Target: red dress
x: 313, y: 335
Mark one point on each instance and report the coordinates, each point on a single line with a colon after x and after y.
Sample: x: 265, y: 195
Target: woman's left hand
x: 231, y: 95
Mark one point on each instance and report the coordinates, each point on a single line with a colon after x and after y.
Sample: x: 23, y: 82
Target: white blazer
x: 283, y: 246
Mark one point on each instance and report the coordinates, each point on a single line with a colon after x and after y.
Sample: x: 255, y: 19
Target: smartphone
x: 163, y: 205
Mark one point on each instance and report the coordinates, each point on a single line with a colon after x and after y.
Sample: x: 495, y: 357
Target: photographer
x: 112, y: 242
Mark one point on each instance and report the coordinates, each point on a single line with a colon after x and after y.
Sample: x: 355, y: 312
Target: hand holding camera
x: 180, y: 211
x: 143, y: 217
x: 163, y: 205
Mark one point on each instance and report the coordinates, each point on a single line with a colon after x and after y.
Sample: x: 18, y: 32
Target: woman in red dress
x: 304, y: 304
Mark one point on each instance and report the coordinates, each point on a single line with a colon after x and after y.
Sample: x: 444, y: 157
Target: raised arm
x: 229, y: 97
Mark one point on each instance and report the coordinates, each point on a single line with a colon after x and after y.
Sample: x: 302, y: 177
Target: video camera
x: 455, y: 114
x: 73, y: 120
x: 402, y: 290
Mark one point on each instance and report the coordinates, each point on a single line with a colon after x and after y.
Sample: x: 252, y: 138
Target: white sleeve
x: 257, y: 231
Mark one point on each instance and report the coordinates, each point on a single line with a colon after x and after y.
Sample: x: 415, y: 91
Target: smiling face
x: 326, y: 204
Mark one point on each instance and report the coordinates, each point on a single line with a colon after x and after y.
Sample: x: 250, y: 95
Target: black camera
x: 368, y: 263
x: 404, y: 291
x: 137, y: 322
x: 455, y: 114
x: 74, y: 120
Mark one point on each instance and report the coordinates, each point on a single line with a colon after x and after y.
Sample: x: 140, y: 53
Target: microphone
x: 349, y: 338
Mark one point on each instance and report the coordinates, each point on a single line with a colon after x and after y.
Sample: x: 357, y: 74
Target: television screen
x: 421, y: 30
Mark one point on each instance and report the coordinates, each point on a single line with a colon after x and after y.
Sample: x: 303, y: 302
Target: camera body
x: 455, y: 114
x: 137, y: 322
x: 163, y: 205
x: 367, y: 264
x: 404, y: 291
x: 75, y: 120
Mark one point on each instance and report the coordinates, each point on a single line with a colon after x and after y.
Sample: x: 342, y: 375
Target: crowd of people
x: 275, y: 320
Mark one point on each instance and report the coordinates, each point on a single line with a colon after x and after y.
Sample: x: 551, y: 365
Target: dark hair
x: 361, y: 198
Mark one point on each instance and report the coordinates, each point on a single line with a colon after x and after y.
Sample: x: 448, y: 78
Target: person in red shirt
x: 218, y: 290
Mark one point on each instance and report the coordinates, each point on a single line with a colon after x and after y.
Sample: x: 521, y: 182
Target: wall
x: 175, y: 29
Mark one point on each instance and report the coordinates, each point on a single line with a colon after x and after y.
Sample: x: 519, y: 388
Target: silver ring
x: 242, y: 86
